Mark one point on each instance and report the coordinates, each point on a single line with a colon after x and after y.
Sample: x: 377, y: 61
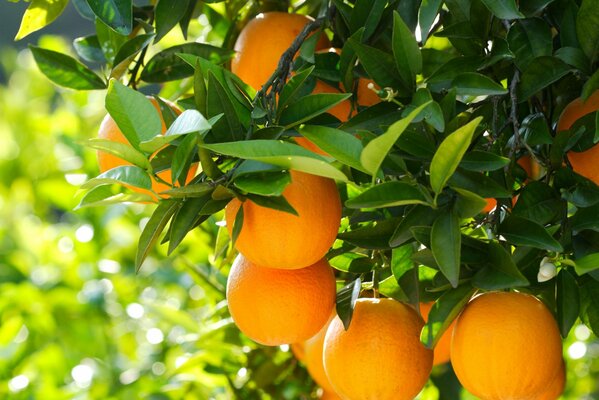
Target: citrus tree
x: 438, y: 156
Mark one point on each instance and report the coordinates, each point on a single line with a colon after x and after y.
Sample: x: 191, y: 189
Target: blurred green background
x: 77, y: 322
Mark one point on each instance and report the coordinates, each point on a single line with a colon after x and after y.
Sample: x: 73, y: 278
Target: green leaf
x: 427, y: 13
x: 532, y: 7
x: 346, y: 301
x: 524, y: 232
x: 279, y: 203
x: 110, y: 41
x: 501, y: 272
x: 127, y: 53
x: 193, y: 190
x: 401, y: 260
x: 292, y: 87
x: 474, y: 84
x: 587, y: 21
x: 153, y: 229
x: 482, y: 161
x: 121, y: 150
x: 377, y: 149
x: 309, y: 107
x: 417, y: 216
x: 446, y: 245
x: 264, y: 183
x: 586, y: 218
x: 88, y: 48
x: 468, y: 204
x: 539, y: 202
x: 378, y: 64
x: 591, y: 86
x: 588, y: 263
x: 450, y: 153
x: 529, y: 39
x: 390, y: 288
x: 237, y: 225
x: 218, y: 101
x: 503, y: 9
x: 104, y: 195
x: 189, y: 121
x: 541, y: 72
x: 168, y: 14
x: 406, y: 52
x: 39, y: 14
x: 568, y: 301
x: 352, y: 262
x: 168, y: 66
x: 373, y: 237
x: 340, y: 145
x: 366, y: 14
x: 134, y: 114
x: 444, y: 311
x: 282, y: 154
x: 478, y: 183
x: 65, y: 71
x: 182, y: 159
x: 388, y: 194
x: 117, y: 14
x: 185, y: 220
x: 123, y: 175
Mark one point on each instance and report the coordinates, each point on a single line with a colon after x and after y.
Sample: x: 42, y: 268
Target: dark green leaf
x: 123, y: 175
x: 586, y: 218
x: 168, y: 66
x: 524, y: 232
x: 153, y: 229
x: 587, y: 22
x: 167, y: 15
x: 309, y: 107
x: 88, y: 48
x: 117, y: 14
x: 377, y: 63
x: 282, y: 154
x: 366, y: 14
x: 417, y: 216
x: 406, y: 52
x: 501, y: 272
x: 450, y: 153
x: 279, y: 203
x: 184, y: 220
x: 341, y: 145
x: 375, y: 236
x: 264, y: 183
x: 478, y: 183
x: 377, y: 149
x: 468, y: 204
x: 529, y: 39
x: 388, y: 194
x: 568, y: 301
x: 65, y: 71
x: 427, y: 14
x: 346, y: 301
x: 538, y: 202
x: 503, y: 9
x: 182, y: 159
x: 127, y: 53
x: 443, y: 312
x: 541, y: 72
x: 134, y: 114
x: 475, y: 84
x: 481, y: 161
x: 218, y: 101
x: 292, y: 87
x: 352, y: 262
x: 591, y: 86
x: 446, y: 245
x: 588, y: 263
x: 110, y: 40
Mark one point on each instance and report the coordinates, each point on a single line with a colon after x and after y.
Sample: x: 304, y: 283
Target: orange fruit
x: 533, y: 170
x: 556, y: 387
x: 329, y: 396
x: 278, y: 239
x: 262, y: 42
x: 298, y: 351
x: 366, y: 96
x: 109, y: 130
x: 506, y: 346
x: 380, y: 356
x: 585, y: 162
x: 313, y: 348
x: 276, y: 306
x: 441, y: 350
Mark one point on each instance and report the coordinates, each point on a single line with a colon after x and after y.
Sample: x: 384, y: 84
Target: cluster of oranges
x: 281, y: 289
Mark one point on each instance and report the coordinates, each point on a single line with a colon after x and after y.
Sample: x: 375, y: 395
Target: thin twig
x: 514, y: 113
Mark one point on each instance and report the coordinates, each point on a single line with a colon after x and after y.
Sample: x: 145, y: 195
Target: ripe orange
x: 262, y: 42
x: 442, y: 349
x: 583, y: 163
x: 380, y: 356
x: 366, y: 96
x: 109, y: 130
x: 533, y: 171
x: 506, y: 346
x: 329, y: 396
x: 313, y: 348
x: 298, y: 351
x: 278, y: 239
x: 275, y: 306
x: 556, y: 387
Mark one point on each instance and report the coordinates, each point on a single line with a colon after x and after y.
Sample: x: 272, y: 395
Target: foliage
x: 474, y: 86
